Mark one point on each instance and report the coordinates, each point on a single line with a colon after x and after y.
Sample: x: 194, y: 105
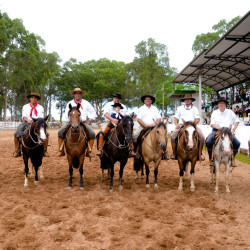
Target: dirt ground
x: 50, y: 216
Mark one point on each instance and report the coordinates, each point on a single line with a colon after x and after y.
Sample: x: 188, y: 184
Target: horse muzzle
x: 163, y: 146
x: 74, y: 128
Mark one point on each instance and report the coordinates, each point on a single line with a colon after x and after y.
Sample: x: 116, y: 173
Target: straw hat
x: 187, y: 96
x: 34, y: 94
x: 77, y: 90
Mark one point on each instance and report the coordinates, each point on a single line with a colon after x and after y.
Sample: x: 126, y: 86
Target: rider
x: 112, y: 112
x: 223, y: 117
x: 148, y: 116
x: 189, y: 113
x: 29, y: 111
x: 87, y: 110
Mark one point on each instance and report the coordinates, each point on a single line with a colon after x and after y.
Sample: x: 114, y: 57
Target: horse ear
x: 166, y: 122
x: 46, y: 118
x: 78, y: 106
x: 70, y: 106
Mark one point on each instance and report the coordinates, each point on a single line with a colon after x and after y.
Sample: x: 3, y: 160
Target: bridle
x: 82, y: 132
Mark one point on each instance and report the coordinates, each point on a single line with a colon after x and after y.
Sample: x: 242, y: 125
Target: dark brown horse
x: 32, y: 147
x: 76, y: 143
x: 187, y: 151
x: 117, y: 148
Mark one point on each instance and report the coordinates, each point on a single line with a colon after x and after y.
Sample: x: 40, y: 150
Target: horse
x: 117, y: 148
x: 187, y: 151
x: 33, y: 147
x: 151, y: 148
x: 222, y: 153
x: 76, y: 142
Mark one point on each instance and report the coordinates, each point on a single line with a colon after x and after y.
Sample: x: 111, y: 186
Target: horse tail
x: 75, y: 162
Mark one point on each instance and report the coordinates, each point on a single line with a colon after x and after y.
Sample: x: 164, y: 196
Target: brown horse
x: 187, y: 151
x: 76, y: 143
x: 33, y: 147
x: 151, y: 148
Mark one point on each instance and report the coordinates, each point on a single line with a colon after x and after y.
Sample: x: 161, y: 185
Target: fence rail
x: 9, y: 125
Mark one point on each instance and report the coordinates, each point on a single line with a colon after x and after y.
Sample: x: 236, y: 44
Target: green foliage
x: 243, y: 157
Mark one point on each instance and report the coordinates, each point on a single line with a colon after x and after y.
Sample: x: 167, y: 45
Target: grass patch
x: 243, y: 157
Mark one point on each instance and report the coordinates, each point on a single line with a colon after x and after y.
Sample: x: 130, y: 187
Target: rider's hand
x: 115, y: 121
x: 88, y: 122
x: 30, y: 121
x: 233, y: 131
x: 150, y: 125
x: 177, y: 126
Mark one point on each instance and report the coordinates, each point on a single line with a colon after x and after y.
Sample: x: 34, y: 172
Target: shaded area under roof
x: 226, y: 63
x: 180, y: 93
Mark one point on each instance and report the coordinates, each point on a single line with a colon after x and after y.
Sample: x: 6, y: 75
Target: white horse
x: 222, y: 153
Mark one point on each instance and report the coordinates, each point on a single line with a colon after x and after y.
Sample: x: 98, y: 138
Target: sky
x: 94, y: 29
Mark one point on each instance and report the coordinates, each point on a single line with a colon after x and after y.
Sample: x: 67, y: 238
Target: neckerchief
x: 33, y: 108
x: 79, y: 103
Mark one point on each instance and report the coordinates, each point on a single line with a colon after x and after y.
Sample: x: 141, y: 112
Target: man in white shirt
x: 189, y: 113
x: 87, y: 113
x: 223, y: 117
x: 29, y: 111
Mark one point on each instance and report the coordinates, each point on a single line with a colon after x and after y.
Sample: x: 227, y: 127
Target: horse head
x: 190, y: 134
x: 225, y: 141
x: 161, y: 135
x: 74, y: 116
x: 127, y: 127
x: 39, y: 128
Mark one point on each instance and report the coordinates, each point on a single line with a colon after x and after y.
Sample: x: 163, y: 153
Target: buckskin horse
x: 222, y: 153
x: 76, y: 142
x: 117, y: 148
x: 151, y: 146
x: 187, y: 151
x: 32, y: 147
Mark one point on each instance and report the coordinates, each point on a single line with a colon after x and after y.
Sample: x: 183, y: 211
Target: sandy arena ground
x: 50, y: 216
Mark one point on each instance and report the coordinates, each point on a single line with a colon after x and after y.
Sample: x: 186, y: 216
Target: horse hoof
x: 228, y: 191
x: 156, y: 186
x: 147, y: 186
x: 111, y: 190
x: 142, y: 177
x: 82, y: 188
x: 25, y: 185
x: 192, y: 189
x: 69, y: 187
x: 180, y: 188
x: 36, y: 182
x: 120, y: 187
x: 41, y: 178
x: 136, y: 177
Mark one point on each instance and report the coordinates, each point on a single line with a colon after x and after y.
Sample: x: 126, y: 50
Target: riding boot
x: 200, y: 149
x: 45, y: 146
x: 210, y: 153
x: 102, y: 142
x: 61, y: 148
x: 17, y: 152
x: 89, y: 150
x: 100, y: 145
x: 233, y: 164
x: 173, y: 156
x: 132, y: 152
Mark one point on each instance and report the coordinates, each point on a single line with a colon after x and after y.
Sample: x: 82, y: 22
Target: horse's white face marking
x: 190, y: 131
x: 42, y: 133
x: 226, y: 145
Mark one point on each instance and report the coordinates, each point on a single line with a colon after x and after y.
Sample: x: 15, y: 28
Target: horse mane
x: 189, y: 124
x: 222, y: 132
x: 161, y: 124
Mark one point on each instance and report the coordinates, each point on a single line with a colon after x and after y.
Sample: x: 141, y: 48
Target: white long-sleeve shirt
x: 148, y: 115
x: 26, y: 111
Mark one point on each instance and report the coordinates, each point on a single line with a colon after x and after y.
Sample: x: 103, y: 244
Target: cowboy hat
x: 150, y: 96
x: 187, y: 96
x: 77, y: 90
x: 34, y: 94
x: 118, y: 95
x: 221, y: 99
x: 117, y: 105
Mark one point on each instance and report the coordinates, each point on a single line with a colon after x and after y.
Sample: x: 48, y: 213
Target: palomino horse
x: 222, y: 153
x: 32, y: 147
x: 76, y: 143
x: 151, y: 148
x: 187, y: 151
x: 117, y: 148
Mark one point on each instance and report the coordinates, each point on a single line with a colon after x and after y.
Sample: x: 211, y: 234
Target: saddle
x: 81, y: 125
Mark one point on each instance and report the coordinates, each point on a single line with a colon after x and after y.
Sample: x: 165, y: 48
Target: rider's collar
x: 188, y: 108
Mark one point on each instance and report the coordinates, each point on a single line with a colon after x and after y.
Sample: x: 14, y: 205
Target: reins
x: 36, y: 142
x: 79, y: 136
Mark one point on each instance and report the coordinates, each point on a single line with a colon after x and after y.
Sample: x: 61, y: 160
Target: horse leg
x: 41, y: 173
x: 186, y: 171
x: 181, y: 173
x: 227, y: 176
x: 31, y: 171
x: 81, y: 177
x: 26, y: 170
x: 142, y: 170
x: 111, y: 177
x: 156, y: 172
x: 36, y: 175
x: 102, y: 177
x: 147, y: 175
x: 212, y: 171
x: 192, y: 186
x: 217, y: 168
x: 120, y: 175
x: 70, y: 176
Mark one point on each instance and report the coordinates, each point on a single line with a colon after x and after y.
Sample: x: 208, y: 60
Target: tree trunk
x: 5, y: 103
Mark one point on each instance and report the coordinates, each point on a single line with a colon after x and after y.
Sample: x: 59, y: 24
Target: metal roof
x: 226, y: 63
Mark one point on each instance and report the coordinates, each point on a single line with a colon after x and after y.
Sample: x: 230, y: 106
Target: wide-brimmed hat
x: 221, y: 99
x: 33, y: 94
x: 150, y: 96
x: 117, y: 105
x: 118, y: 95
x: 77, y: 90
x: 187, y: 96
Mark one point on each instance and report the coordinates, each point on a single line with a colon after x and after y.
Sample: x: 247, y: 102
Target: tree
x: 205, y: 41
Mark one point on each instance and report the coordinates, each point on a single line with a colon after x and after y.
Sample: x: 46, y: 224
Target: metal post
x: 163, y: 102
x: 200, y: 97
x: 14, y: 109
